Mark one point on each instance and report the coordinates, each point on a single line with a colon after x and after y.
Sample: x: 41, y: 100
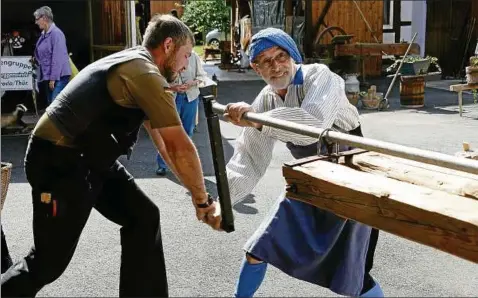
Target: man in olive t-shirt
x: 133, y: 84
x: 71, y: 164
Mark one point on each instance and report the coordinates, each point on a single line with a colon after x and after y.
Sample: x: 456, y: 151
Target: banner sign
x: 17, y: 73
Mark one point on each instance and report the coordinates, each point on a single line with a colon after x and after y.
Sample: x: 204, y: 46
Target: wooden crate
x: 427, y: 204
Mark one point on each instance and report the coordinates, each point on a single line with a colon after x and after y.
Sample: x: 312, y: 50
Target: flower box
x: 415, y: 68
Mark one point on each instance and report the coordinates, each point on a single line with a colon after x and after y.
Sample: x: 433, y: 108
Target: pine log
x: 432, y: 217
x: 467, y: 154
x: 434, y: 177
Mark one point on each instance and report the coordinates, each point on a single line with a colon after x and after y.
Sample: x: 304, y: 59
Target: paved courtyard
x: 204, y: 263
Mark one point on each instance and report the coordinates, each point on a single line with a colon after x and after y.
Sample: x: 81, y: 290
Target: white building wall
x: 389, y: 37
x: 406, y: 16
x: 419, y: 23
x: 414, y: 12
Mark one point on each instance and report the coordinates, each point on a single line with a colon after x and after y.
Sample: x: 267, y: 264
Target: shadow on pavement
x: 13, y: 151
x: 243, y: 205
x: 143, y: 160
x: 437, y: 101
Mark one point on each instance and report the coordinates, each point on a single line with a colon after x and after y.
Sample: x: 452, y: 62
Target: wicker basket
x: 371, y: 103
x: 6, y: 173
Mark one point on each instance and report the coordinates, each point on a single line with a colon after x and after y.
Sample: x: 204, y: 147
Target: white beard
x: 279, y: 83
x: 284, y: 81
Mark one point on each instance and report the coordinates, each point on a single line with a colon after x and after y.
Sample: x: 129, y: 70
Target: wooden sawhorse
x: 460, y: 88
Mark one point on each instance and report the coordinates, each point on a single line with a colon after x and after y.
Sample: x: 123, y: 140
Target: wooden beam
x: 432, y: 217
x: 467, y: 152
x: 309, y: 33
x: 417, y: 173
x: 463, y: 87
x: 374, y: 49
x: 288, y: 8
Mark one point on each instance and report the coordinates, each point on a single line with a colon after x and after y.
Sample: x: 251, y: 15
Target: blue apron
x: 312, y: 244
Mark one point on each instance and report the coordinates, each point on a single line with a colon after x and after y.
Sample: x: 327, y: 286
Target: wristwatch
x: 209, y: 202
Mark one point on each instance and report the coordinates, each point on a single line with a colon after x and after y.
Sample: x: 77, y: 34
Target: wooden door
x: 110, y: 27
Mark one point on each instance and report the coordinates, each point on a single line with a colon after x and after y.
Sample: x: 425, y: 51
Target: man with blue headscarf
x: 303, y: 241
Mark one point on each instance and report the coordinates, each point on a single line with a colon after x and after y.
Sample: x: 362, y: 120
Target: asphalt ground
x: 202, y: 262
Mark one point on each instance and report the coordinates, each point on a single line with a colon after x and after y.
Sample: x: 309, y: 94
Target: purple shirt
x: 52, y: 55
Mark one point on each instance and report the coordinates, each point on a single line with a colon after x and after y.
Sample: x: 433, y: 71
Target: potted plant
x: 415, y: 65
x: 475, y: 95
x: 472, y: 71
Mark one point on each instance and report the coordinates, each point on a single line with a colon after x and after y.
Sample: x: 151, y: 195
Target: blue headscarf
x: 272, y: 37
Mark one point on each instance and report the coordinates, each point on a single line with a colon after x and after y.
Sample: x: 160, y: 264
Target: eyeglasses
x: 268, y: 62
x: 36, y: 19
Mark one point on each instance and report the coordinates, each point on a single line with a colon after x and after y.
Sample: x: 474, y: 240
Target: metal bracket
x: 334, y: 157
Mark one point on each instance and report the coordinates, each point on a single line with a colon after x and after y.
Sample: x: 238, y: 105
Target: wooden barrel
x: 412, y: 91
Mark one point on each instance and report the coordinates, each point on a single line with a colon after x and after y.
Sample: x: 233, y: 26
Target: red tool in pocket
x: 54, y: 206
x: 45, y: 198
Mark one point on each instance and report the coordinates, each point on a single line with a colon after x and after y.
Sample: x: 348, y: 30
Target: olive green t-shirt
x: 133, y: 84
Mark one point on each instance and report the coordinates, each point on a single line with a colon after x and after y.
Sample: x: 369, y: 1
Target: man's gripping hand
x: 235, y: 111
x: 209, y: 212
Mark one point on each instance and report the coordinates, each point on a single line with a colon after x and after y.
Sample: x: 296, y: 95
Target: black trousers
x: 64, y: 191
x: 6, y: 258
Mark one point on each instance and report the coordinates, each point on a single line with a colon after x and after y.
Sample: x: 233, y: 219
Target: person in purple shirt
x: 51, y: 54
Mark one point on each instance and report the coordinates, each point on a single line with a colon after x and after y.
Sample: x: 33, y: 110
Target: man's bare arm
x: 181, y: 155
x: 179, y: 152
x: 160, y: 108
x: 185, y: 159
x: 159, y: 143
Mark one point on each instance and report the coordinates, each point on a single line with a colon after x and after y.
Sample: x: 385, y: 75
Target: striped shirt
x: 193, y: 71
x: 315, y: 98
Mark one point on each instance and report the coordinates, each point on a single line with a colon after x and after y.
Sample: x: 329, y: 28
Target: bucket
x: 412, y: 91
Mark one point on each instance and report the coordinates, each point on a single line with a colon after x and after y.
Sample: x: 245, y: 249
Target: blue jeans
x: 187, y: 112
x: 59, y: 85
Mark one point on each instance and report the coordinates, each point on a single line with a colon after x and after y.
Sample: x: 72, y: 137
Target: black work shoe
x: 161, y: 171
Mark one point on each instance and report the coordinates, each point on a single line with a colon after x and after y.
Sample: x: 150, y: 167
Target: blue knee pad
x: 250, y: 278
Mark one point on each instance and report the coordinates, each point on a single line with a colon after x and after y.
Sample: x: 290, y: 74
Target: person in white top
x: 303, y: 241
x: 186, y: 90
